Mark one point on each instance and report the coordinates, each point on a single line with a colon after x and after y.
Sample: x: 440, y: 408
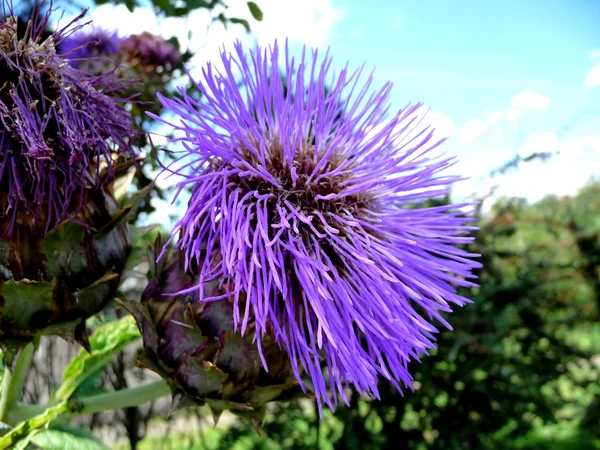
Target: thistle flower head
x: 309, y: 205
x: 96, y: 43
x: 149, y: 52
x: 60, y: 133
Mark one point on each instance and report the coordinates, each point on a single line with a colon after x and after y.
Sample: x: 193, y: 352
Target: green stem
x: 12, y: 384
x: 124, y: 398
x: 22, y: 412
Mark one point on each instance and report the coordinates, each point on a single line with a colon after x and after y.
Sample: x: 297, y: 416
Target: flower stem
x: 12, y: 383
x: 21, y: 412
x: 124, y: 398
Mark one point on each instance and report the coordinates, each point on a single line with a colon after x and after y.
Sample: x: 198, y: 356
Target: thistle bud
x: 194, y: 347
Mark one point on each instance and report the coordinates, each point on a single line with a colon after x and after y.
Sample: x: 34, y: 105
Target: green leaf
x: 122, y: 184
x: 255, y: 11
x: 108, y: 340
x: 143, y: 234
x: 92, y: 297
x: 137, y: 256
x: 243, y: 22
x: 64, y: 440
x: 135, y: 199
x: 260, y: 396
x: 26, y: 299
x: 254, y: 417
x: 20, y: 436
x: 64, y: 249
x: 130, y: 4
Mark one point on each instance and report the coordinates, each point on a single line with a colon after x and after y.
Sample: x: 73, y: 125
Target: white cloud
x: 494, y: 117
x: 472, y: 129
x: 548, y: 142
x: 527, y: 100
x: 310, y: 22
x: 591, y: 143
x: 572, y: 163
x: 594, y: 54
x: 530, y: 101
x: 444, y: 126
x: 125, y: 22
x: 563, y: 174
x: 592, y: 78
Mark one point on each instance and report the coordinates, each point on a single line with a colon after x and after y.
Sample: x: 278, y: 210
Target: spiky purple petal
x: 305, y: 196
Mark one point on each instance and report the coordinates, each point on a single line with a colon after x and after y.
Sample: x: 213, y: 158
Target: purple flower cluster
x: 86, y: 45
x: 309, y: 205
x: 90, y: 50
x: 150, y: 51
x: 61, y: 131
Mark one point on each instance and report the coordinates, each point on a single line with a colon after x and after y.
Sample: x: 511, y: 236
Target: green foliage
x: 21, y: 435
x: 255, y: 11
x: 67, y: 439
x: 107, y: 341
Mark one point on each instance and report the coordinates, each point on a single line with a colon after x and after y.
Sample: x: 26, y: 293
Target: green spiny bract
x: 51, y: 282
x: 193, y: 346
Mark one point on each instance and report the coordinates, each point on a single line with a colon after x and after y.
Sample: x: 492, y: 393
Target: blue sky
x: 469, y: 59
x: 464, y: 56
x: 500, y: 77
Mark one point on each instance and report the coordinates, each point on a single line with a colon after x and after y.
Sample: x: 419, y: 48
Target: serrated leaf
x: 63, y: 440
x: 21, y: 435
x: 255, y: 11
x: 108, y: 340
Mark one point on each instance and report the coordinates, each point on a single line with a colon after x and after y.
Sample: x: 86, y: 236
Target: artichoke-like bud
x: 151, y: 60
x: 63, y: 140
x: 50, y: 283
x: 150, y: 53
x: 147, y: 61
x: 193, y: 345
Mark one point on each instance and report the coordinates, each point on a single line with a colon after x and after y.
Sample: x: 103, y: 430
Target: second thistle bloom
x: 94, y: 51
x: 309, y: 205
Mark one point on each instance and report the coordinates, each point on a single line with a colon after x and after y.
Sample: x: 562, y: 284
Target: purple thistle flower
x: 307, y: 204
x: 149, y: 51
x: 96, y: 43
x: 61, y: 132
